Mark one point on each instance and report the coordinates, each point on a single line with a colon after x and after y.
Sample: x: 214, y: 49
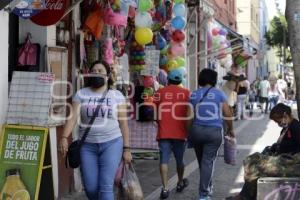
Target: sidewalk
x: 251, y: 135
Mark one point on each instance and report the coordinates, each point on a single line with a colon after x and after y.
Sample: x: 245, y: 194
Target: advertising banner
x: 55, y: 9
x: 22, y: 150
x: 28, y: 8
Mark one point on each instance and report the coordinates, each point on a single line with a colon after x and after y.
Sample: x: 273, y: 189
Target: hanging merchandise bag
x: 29, y: 54
x: 94, y: 23
x: 130, y: 185
x: 113, y: 18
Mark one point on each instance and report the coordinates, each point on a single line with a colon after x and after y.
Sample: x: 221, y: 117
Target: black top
x: 242, y: 90
x: 291, y: 141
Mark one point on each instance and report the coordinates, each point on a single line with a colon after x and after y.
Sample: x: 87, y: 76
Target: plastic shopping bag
x: 230, y: 150
x: 130, y: 188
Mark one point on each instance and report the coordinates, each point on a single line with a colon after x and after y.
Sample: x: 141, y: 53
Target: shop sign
x: 54, y: 11
x: 29, y: 8
x: 22, y: 150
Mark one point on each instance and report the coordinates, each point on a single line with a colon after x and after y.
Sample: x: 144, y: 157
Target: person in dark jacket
x: 287, y: 143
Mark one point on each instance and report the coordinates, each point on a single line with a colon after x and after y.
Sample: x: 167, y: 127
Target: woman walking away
x: 206, y: 127
x: 108, y: 138
x: 252, y: 97
x: 273, y: 95
x: 242, y: 90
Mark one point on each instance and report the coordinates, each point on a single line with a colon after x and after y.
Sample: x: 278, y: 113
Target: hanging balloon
x: 228, y: 50
x: 178, y: 1
x: 148, y: 81
x: 223, y: 31
x: 178, y: 23
x: 179, y: 10
x: 163, y: 60
x: 180, y: 61
x: 222, y: 38
x: 166, y: 34
x: 215, y: 31
x: 145, y: 5
x: 171, y: 65
x: 178, y: 36
x: 223, y: 46
x: 223, y: 61
x: 143, y: 19
x: 160, y: 41
x: 143, y: 36
x: 177, y: 49
x: 164, y: 51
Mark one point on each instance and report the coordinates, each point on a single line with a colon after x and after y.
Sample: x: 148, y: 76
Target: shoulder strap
x: 200, y: 101
x: 205, y: 94
x: 87, y: 130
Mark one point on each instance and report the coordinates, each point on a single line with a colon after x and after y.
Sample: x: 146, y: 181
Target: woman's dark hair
x: 207, y: 76
x: 279, y: 110
x: 108, y: 69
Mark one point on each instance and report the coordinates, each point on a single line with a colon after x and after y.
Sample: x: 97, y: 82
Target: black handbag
x: 73, y: 154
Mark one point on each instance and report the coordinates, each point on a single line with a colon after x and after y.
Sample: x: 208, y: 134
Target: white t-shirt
x: 106, y: 125
x: 274, y: 91
x: 264, y: 87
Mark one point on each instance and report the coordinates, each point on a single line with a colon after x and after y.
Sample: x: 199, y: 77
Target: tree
x: 277, y: 37
x: 293, y: 21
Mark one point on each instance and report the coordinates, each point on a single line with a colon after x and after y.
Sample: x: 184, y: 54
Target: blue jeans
x: 273, y: 100
x: 99, y: 164
x: 206, y: 141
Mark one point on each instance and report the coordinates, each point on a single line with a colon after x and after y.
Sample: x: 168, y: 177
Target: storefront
x: 142, y: 42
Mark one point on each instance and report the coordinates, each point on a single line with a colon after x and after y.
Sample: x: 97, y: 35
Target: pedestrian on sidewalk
x: 172, y: 104
x: 264, y: 87
x: 251, y: 97
x: 108, y: 139
x: 274, y: 94
x: 287, y: 143
x: 282, y: 87
x: 242, y: 90
x: 231, y: 95
x: 206, y: 131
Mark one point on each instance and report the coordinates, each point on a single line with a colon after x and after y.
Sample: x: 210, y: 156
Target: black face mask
x: 96, y: 81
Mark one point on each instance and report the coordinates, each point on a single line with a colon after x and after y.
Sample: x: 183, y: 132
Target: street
x: 252, y: 135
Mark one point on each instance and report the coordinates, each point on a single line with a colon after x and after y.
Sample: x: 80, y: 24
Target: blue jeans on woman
x: 273, y: 100
x: 206, y: 141
x: 99, y: 164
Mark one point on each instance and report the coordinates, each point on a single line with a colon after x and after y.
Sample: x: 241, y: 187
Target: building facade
x: 248, y: 25
x: 225, y: 12
x: 263, y: 54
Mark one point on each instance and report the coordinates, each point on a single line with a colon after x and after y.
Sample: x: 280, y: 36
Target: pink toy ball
x: 215, y: 31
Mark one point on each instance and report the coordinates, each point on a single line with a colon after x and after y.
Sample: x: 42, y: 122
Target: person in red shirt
x: 172, y: 104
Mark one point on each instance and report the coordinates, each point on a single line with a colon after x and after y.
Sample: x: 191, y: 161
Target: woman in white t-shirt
x: 108, y: 139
